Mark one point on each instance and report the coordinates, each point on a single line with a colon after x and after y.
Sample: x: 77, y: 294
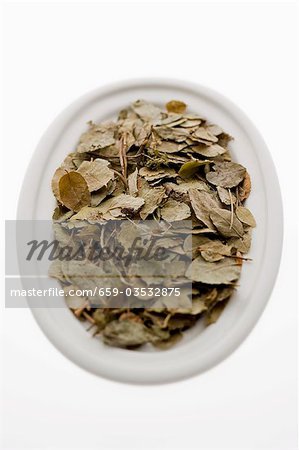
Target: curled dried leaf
x: 191, y: 167
x: 245, y: 216
x: 245, y: 188
x: 73, y: 191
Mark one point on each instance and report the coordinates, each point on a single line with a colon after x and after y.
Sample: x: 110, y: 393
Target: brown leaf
x: 245, y: 188
x: 73, y: 191
x: 55, y: 181
x: 176, y: 106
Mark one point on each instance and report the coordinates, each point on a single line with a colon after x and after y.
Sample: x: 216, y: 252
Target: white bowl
x: 201, y: 348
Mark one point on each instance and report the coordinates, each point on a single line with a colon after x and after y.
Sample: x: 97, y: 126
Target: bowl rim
x: 273, y: 244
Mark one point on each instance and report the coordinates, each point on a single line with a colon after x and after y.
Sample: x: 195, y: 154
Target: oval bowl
x: 201, y: 348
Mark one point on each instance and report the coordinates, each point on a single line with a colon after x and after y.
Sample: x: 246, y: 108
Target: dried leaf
x: 97, y: 137
x: 209, y: 151
x: 152, y: 199
x: 126, y: 333
x: 185, y: 185
x: 214, y: 250
x: 245, y: 188
x: 176, y: 106
x: 73, y: 191
x: 221, y: 219
x: 203, y: 203
x: 158, y: 174
x: 173, y: 211
x: 124, y: 203
x: 170, y: 147
x: 205, y: 134
x: 245, y: 216
x: 96, y: 173
x: 55, y: 181
x: 214, y: 129
x: 221, y: 272
x: 191, y: 123
x: 214, y: 314
x: 241, y: 244
x: 132, y: 183
x: 225, y: 197
x: 191, y: 167
x: 226, y: 174
x: 146, y: 110
x: 172, y: 134
x: 98, y: 196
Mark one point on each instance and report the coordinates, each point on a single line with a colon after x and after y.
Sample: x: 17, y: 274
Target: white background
x: 54, y: 52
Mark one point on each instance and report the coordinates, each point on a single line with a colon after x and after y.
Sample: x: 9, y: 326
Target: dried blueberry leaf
x: 191, y: 167
x: 176, y: 106
x: 221, y: 219
x: 203, y: 203
x: 173, y: 211
x: 97, y: 138
x: 208, y: 151
x: 226, y: 174
x: 245, y: 216
x: 132, y: 183
x: 96, y: 173
x: 73, y: 191
x: 204, y: 134
x: 221, y: 272
x: 225, y: 196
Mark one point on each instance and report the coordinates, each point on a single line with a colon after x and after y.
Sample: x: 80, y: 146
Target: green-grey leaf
x: 173, y: 211
x: 245, y: 216
x: 221, y: 272
x: 221, y: 219
x: 203, y: 203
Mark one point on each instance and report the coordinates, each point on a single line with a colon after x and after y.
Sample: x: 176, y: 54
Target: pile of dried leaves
x: 169, y: 166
